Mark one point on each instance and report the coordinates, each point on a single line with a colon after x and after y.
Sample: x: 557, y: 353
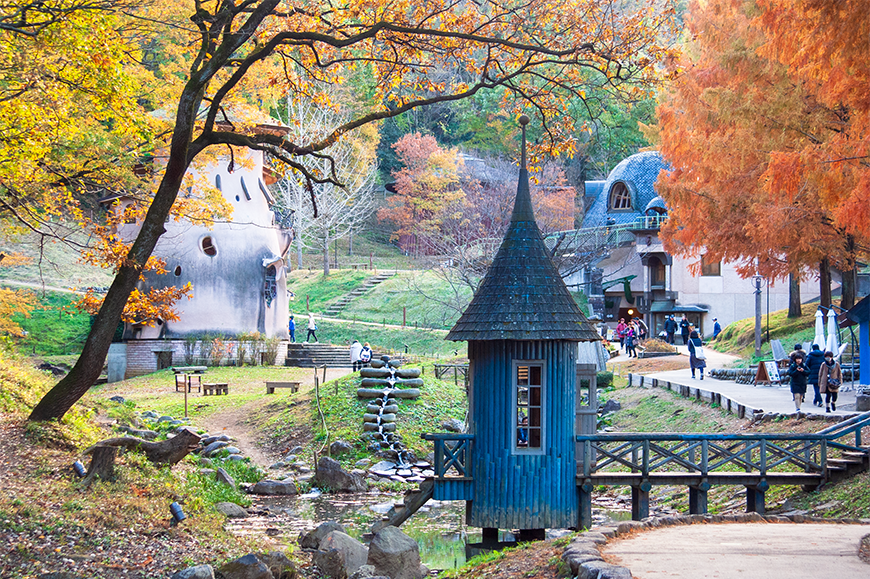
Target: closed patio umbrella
x: 820, y: 329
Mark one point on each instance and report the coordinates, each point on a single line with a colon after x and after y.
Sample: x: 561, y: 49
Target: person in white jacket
x: 355, y: 350
x: 312, y: 327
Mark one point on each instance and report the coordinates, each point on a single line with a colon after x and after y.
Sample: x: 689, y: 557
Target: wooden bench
x: 270, y: 386
x: 222, y: 388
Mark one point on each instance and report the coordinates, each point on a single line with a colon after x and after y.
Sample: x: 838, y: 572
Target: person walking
x: 312, y: 327
x: 670, y: 329
x: 798, y: 383
x: 697, y: 358
x: 685, y: 329
x: 830, y: 377
x: 717, y: 328
x: 642, y: 330
x: 630, y: 338
x: 355, y: 350
x: 292, y: 328
x: 365, y: 355
x: 620, y: 332
x: 814, y: 362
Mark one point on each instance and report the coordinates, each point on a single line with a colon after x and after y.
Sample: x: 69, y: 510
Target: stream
x: 438, y: 527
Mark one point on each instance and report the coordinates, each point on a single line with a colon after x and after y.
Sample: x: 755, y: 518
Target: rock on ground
x: 279, y: 564
x: 231, y: 510
x: 247, y: 567
x: 312, y: 539
x: 395, y: 554
x: 340, y: 555
x: 274, y: 487
x: 225, y: 478
x: 330, y: 475
x: 198, y: 572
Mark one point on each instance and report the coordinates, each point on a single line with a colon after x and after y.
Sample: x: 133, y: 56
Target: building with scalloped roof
x: 636, y: 277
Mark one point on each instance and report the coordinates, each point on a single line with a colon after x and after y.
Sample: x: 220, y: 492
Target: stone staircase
x: 310, y: 355
x: 367, y: 285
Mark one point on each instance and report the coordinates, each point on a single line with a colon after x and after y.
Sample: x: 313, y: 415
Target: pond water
x: 438, y: 527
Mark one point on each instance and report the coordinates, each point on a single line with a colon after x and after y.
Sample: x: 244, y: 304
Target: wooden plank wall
x: 522, y: 491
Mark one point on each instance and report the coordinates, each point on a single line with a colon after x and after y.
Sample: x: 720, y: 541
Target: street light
x: 757, y: 279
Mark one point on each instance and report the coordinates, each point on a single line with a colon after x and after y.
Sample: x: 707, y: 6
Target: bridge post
x: 755, y: 497
x: 698, y: 499
x: 584, y: 494
x: 640, y: 501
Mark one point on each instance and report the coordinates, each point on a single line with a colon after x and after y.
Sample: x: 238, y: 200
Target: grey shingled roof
x: 523, y: 296
x: 639, y: 173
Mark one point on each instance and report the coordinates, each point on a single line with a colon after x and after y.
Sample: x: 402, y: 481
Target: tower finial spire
x: 524, y: 120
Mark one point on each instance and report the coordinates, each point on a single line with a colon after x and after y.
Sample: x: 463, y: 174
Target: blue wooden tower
x: 522, y: 329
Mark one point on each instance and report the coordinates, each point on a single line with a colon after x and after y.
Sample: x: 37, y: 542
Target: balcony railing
x: 452, y: 453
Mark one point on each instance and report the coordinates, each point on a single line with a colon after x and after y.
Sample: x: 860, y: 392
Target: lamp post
x: 757, y: 280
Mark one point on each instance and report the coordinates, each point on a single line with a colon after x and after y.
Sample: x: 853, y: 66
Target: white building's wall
x: 228, y: 287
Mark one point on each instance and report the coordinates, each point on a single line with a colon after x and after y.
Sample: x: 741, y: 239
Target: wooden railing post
x: 645, y: 467
x: 763, y: 456
x: 439, y: 458
x: 705, y: 456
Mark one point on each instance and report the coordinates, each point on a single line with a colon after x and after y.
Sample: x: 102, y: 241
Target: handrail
x: 446, y: 436
x: 448, y: 457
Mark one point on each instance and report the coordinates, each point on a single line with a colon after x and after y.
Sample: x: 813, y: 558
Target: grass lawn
x: 55, y: 327
x: 738, y: 338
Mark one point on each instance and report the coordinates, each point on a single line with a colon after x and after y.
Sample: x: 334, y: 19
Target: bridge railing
x: 843, y: 429
x: 703, y: 453
x: 452, y: 451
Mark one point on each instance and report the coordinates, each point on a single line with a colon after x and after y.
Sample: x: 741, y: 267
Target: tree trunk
x: 350, y: 243
x: 326, y: 253
x: 87, y: 369
x: 169, y: 451
x: 825, y: 283
x: 850, y: 281
x: 794, y: 296
x: 298, y: 246
x: 849, y: 277
x: 102, y: 465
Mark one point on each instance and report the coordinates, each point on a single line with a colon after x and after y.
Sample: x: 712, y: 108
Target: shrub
x: 604, y: 379
x: 270, y: 350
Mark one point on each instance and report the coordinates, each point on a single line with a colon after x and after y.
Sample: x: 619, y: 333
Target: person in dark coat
x: 670, y: 329
x: 798, y: 383
x: 696, y: 363
x: 798, y: 349
x: 830, y: 377
x: 814, y: 361
x: 685, y: 329
x: 717, y: 327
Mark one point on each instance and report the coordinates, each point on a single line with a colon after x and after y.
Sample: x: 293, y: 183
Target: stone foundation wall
x: 143, y: 355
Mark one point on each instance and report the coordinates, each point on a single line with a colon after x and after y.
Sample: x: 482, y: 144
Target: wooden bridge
x: 698, y: 461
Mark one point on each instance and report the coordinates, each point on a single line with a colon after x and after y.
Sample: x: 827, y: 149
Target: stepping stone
x: 404, y: 472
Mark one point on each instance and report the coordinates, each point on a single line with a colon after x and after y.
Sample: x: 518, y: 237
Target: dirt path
x: 238, y: 425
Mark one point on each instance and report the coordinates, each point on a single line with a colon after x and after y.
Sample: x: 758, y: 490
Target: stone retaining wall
x: 142, y: 355
x: 701, y: 395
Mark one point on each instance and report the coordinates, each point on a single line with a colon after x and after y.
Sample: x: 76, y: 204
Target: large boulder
x: 395, y: 554
x: 340, y: 555
x: 274, y: 487
x: 231, y: 510
x: 453, y: 425
x: 311, y: 540
x: 340, y: 447
x: 198, y: 572
x: 247, y: 567
x: 330, y: 475
x: 279, y: 564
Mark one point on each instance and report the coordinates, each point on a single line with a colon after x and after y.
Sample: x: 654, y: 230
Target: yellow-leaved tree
x: 217, y: 59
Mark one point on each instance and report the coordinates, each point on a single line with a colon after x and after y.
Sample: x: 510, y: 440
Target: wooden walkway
x: 697, y: 461
x: 701, y: 461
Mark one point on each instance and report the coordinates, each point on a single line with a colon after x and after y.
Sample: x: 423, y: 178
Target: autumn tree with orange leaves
x: 762, y: 175
x: 231, y: 55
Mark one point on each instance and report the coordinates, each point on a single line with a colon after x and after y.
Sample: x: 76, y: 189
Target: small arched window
x: 208, y: 247
x: 620, y: 197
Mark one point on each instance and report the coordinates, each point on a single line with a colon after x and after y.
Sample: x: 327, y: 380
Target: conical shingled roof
x: 523, y: 296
